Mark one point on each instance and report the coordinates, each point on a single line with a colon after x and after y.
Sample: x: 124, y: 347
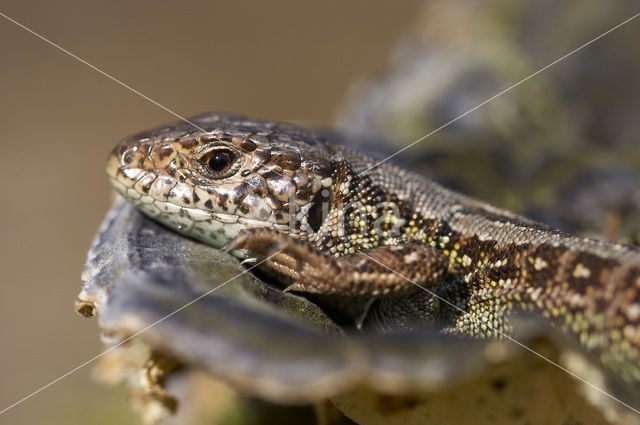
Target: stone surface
x: 148, y: 282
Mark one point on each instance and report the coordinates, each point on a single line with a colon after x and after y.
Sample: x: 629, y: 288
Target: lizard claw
x: 239, y: 242
x: 298, y: 287
x: 249, y: 260
x: 266, y: 245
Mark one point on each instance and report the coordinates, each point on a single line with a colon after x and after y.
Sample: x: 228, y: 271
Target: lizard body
x: 340, y: 224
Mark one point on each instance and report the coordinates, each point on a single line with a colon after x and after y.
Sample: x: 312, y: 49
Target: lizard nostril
x: 127, y: 158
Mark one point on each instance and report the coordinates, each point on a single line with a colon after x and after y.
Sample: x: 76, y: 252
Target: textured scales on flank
x: 269, y: 187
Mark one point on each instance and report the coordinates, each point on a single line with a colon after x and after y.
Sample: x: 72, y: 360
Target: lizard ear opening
x: 319, y: 209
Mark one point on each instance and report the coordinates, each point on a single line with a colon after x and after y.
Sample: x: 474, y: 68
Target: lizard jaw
x: 210, y: 227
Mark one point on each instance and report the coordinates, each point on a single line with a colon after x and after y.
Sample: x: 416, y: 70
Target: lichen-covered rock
x: 572, y: 128
x: 186, y: 309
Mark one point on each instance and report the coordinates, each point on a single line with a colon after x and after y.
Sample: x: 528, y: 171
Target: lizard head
x: 217, y: 174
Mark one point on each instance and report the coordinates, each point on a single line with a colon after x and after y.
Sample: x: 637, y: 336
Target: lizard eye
x: 219, y: 163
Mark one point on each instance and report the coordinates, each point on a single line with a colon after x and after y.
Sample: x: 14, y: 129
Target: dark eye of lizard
x: 219, y: 163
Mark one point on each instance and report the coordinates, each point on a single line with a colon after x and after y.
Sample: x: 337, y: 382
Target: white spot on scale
x: 633, y: 312
x: 581, y: 271
x: 410, y: 258
x: 539, y: 264
x: 131, y: 173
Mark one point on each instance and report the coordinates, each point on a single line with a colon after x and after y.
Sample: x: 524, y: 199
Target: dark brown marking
x: 263, y: 155
x: 269, y: 174
x: 286, y: 160
x: 321, y: 167
x: 127, y: 158
x: 248, y: 145
x: 222, y: 201
x: 207, y: 138
x: 164, y: 152
x: 303, y: 194
x: 274, y: 202
x: 188, y: 144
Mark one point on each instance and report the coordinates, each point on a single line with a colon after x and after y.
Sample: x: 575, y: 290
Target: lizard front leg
x: 393, y: 269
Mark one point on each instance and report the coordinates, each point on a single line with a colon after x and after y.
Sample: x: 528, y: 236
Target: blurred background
x: 316, y: 63
x: 59, y: 119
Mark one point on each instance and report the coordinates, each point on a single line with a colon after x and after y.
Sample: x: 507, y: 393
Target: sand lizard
x: 266, y: 187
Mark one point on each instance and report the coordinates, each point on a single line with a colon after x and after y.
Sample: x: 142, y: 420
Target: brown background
x: 59, y: 119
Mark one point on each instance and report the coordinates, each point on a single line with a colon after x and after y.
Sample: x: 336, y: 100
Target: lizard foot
x: 380, y: 271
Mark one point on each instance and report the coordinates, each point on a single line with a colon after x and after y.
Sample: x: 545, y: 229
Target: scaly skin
x: 280, y: 189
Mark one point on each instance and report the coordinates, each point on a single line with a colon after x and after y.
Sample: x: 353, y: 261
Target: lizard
x: 336, y: 222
